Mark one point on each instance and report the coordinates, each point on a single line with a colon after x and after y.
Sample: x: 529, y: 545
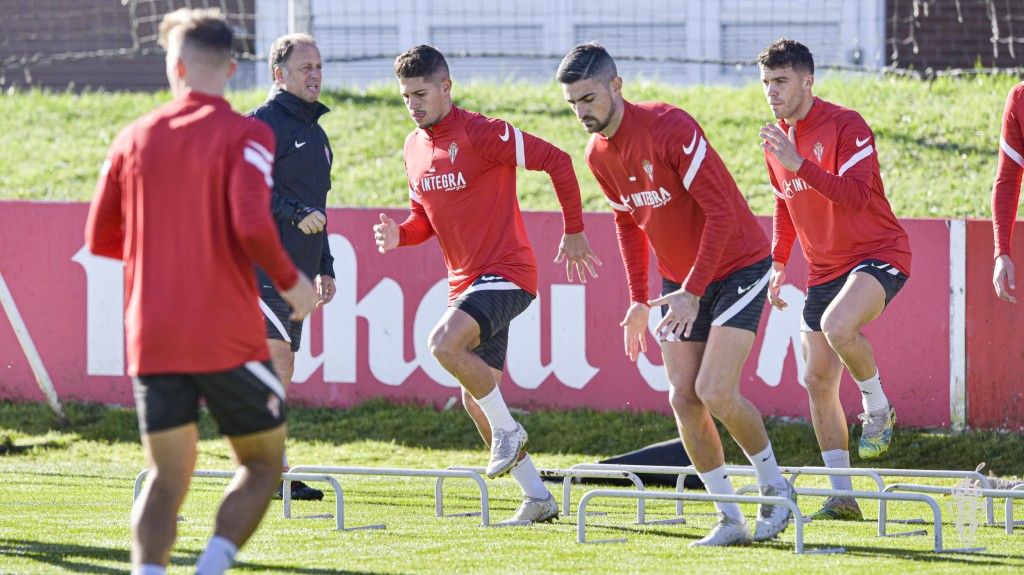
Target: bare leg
x: 171, y: 456
x: 824, y: 368
x: 259, y: 470
x: 861, y: 300
x: 718, y: 387
x: 283, y: 359
x: 696, y: 428
x: 452, y: 342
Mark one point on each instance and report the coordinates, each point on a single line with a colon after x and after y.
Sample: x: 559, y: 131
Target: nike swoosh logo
x: 299, y: 144
x: 880, y: 266
x: 504, y: 137
x: 742, y: 290
x: 862, y: 142
x: 689, y: 149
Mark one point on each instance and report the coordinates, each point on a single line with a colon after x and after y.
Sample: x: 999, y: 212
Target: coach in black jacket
x: 302, y: 177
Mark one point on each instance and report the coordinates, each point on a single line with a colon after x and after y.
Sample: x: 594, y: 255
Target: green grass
x: 937, y: 140
x: 67, y: 495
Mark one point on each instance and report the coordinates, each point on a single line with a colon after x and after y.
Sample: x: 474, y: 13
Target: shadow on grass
x: 582, y: 431
x: 82, y: 558
x: 951, y: 558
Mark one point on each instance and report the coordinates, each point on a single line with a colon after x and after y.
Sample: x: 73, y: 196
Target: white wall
x: 837, y: 32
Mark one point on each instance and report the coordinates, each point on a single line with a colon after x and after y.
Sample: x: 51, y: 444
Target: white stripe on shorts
x: 267, y: 377
x: 743, y: 302
x: 274, y: 320
x: 491, y: 286
x: 891, y: 269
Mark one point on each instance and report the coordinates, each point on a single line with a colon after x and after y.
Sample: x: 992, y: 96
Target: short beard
x: 600, y: 126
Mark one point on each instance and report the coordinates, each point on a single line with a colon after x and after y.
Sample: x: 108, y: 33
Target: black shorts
x: 493, y: 302
x: 736, y: 300
x: 819, y: 297
x: 276, y: 313
x: 243, y: 400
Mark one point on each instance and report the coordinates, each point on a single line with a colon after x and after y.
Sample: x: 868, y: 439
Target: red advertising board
x: 995, y: 337
x: 565, y: 351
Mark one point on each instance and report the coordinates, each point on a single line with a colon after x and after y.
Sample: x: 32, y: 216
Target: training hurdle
x: 990, y: 518
x: 682, y: 473
x: 567, y: 476
x: 875, y: 474
x: 1010, y: 523
x: 438, y: 474
x: 798, y: 519
x: 1008, y: 494
x: 339, y: 505
x: 581, y: 511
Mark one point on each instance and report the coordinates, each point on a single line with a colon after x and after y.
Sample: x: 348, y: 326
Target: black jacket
x: 302, y: 177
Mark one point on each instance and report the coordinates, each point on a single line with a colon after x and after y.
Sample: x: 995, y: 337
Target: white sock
x: 872, y: 398
x: 496, y: 411
x: 218, y: 556
x: 717, y: 481
x: 150, y: 569
x: 838, y: 458
x: 767, y: 468
x: 528, y: 478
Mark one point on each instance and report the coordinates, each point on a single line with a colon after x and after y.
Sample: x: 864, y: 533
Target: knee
x: 442, y: 346
x: 839, y: 331
x: 168, y: 485
x: 683, y: 399
x: 716, y: 397
x: 819, y: 384
x: 265, y: 472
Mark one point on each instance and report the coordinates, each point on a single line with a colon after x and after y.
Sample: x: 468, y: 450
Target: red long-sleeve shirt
x: 462, y: 188
x: 835, y: 203
x: 669, y: 186
x: 182, y: 199
x: 1006, y: 190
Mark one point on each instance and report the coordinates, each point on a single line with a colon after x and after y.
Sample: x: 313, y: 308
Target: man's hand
x: 1003, y: 280
x: 301, y: 297
x: 782, y: 146
x: 325, y: 289
x: 386, y: 234
x: 574, y: 250
x: 682, y: 311
x: 775, y: 284
x: 634, y: 330
x: 313, y: 223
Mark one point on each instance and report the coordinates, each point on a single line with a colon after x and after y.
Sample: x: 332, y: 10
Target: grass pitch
x: 937, y: 141
x: 67, y: 495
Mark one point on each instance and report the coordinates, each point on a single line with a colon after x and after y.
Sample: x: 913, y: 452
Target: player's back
x: 191, y: 295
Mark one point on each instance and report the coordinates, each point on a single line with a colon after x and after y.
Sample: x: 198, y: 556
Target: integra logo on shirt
x: 446, y: 182
x: 791, y: 187
x: 649, y: 198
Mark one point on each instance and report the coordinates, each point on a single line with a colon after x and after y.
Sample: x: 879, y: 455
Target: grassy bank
x: 937, y: 141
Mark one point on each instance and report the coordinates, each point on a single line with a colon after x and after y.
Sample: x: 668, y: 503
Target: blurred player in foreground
x: 182, y: 199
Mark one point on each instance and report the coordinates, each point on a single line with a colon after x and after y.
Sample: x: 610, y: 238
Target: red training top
x: 835, y: 203
x: 183, y: 199
x: 668, y: 186
x: 1006, y: 190
x: 462, y: 187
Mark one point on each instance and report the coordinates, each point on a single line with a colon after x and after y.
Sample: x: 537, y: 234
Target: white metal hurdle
x: 882, y: 496
x: 567, y: 476
x: 1008, y: 494
x: 439, y: 474
x: 339, y: 506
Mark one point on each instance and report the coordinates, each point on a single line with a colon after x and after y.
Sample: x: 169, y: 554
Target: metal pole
x: 300, y: 16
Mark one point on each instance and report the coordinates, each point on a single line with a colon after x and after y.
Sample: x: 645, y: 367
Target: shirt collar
x: 308, y: 112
